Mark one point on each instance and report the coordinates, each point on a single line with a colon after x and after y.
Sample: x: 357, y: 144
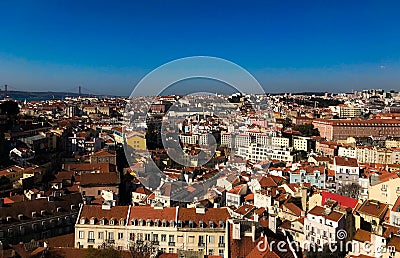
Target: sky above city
x: 289, y: 46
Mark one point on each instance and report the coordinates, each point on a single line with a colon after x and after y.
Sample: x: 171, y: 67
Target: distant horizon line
x: 177, y: 94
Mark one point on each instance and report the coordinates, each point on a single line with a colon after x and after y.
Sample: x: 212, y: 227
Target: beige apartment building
x: 165, y: 229
x: 384, y: 189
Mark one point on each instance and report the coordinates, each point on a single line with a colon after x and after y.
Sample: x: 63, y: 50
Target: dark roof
x: 99, y: 179
x: 27, y: 207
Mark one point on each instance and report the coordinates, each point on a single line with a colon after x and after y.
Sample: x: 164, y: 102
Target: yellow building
x: 165, y: 229
x: 384, y: 188
x: 136, y: 140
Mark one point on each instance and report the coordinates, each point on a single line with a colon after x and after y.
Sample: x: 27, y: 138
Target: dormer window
x: 20, y: 216
x: 172, y: 223
x: 148, y: 222
x: 180, y: 223
x: 121, y: 222
x: 133, y: 222
x: 42, y: 212
x: 33, y: 214
x: 102, y: 221
x: 191, y: 224
x: 164, y: 222
x: 201, y: 224
x: 112, y: 221
x: 92, y: 221
x: 83, y: 221
x: 211, y: 224
x: 157, y: 223
x: 221, y: 224
x: 141, y: 222
x: 59, y: 209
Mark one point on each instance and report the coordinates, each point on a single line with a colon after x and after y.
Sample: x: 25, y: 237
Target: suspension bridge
x: 77, y: 91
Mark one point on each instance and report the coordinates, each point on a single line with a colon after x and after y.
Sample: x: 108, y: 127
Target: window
x: 163, y: 237
x: 101, y: 235
x: 110, y: 235
x: 201, y: 239
x: 120, y: 235
x: 180, y: 239
x: 211, y: 239
x: 211, y: 252
x: 147, y: 237
x: 119, y: 247
x: 171, y: 238
x: 221, y: 252
x: 155, y: 237
x: 132, y: 236
x: 91, y: 236
x: 81, y: 235
x: 221, y: 239
x: 170, y: 250
x: 191, y: 239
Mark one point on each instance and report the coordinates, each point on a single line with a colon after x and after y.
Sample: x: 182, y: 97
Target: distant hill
x: 22, y: 95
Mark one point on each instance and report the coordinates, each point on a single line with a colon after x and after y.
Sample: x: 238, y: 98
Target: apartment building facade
x: 166, y: 230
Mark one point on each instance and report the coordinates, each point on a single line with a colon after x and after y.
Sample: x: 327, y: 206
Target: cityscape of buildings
x: 274, y: 175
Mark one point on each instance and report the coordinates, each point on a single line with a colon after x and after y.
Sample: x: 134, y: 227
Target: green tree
x: 104, y: 253
x: 307, y: 130
x: 352, y: 190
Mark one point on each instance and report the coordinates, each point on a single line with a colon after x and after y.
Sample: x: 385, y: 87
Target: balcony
x: 155, y: 242
x: 139, y: 242
x: 90, y: 240
x: 221, y: 244
x: 171, y: 243
x: 201, y: 244
x: 111, y: 241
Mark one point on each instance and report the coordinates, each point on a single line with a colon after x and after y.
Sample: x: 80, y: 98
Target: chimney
x: 236, y: 231
x: 272, y: 222
x: 253, y: 233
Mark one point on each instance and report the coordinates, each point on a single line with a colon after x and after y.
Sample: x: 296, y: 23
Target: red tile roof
x: 151, y: 213
x: 88, y: 179
x: 320, y: 211
x: 98, y: 213
x: 374, y: 209
x: 211, y: 214
x: 342, y: 200
x: 345, y: 162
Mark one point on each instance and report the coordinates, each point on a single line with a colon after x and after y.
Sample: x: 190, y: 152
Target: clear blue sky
x: 107, y: 46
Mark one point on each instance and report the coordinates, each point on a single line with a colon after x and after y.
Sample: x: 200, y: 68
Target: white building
x: 321, y: 226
